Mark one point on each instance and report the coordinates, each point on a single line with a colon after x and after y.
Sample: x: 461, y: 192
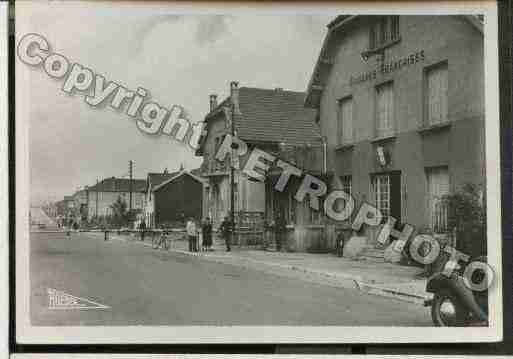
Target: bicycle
x: 160, y: 242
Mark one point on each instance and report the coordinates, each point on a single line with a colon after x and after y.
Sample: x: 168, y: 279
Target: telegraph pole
x: 232, y: 170
x: 234, y: 100
x: 96, y: 212
x: 130, y: 169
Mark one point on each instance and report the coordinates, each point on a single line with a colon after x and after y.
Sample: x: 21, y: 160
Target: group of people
x: 193, y: 232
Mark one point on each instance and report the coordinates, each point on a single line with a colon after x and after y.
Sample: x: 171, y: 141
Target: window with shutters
x: 438, y: 187
x: 345, y: 120
x: 385, y: 109
x: 436, y: 94
x: 384, y: 31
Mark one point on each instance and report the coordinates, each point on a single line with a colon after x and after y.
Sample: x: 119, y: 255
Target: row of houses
x: 160, y: 199
x: 393, y: 114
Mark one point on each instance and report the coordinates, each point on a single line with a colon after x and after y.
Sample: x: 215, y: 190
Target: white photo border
x: 28, y: 334
x: 4, y: 180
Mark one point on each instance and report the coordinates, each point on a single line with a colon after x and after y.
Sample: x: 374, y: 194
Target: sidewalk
x: 373, y: 277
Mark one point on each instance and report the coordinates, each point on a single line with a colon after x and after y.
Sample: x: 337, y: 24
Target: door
x: 387, y: 194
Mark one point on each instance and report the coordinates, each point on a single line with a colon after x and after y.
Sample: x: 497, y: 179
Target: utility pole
x: 130, y: 169
x: 232, y: 173
x: 96, y: 212
x: 234, y: 100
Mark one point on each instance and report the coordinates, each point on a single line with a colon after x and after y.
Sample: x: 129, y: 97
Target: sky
x: 180, y: 58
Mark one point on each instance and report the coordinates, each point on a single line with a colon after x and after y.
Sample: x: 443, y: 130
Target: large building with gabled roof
x: 401, y: 102
x: 274, y: 120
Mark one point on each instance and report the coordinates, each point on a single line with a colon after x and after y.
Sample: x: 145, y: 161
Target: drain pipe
x: 324, y: 155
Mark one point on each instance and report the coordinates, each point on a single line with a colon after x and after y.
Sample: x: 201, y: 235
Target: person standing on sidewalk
x: 280, y: 228
x: 191, y: 235
x: 225, y: 228
x: 142, y: 227
x: 207, y: 234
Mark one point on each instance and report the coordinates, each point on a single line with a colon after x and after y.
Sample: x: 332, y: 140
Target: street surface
x: 143, y: 286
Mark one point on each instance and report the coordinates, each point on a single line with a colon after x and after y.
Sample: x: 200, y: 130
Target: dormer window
x: 383, y: 32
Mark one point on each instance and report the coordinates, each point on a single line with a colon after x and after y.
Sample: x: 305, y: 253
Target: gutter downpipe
x: 324, y: 155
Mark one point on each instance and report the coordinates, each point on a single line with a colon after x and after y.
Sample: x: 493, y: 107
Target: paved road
x: 150, y: 287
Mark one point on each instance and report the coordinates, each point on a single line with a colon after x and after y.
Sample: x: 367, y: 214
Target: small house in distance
x: 153, y: 180
x: 177, y: 198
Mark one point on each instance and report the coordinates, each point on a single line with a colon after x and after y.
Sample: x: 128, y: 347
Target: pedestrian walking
x: 226, y: 230
x: 207, y: 234
x: 142, y: 228
x: 192, y: 234
x: 280, y: 228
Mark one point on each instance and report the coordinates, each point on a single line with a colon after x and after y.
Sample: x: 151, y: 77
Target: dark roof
x: 337, y: 20
x: 114, y: 184
x: 196, y: 172
x: 178, y: 175
x: 273, y: 115
x: 154, y: 179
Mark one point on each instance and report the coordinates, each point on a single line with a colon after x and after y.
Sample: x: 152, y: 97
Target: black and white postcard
x: 243, y: 173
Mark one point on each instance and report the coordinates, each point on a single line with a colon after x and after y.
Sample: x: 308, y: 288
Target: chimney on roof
x: 234, y: 96
x: 213, y: 102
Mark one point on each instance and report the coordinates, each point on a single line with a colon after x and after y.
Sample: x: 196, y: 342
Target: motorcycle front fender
x: 457, y: 287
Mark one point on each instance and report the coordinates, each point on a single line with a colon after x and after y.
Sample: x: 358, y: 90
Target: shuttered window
x: 385, y: 109
x: 438, y: 187
x: 345, y: 120
x: 437, y: 94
